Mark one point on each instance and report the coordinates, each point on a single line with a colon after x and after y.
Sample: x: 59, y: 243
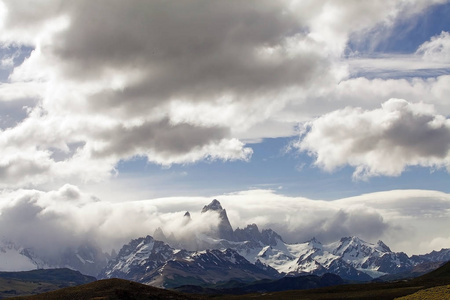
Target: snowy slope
x: 16, y: 258
x: 350, y: 258
x: 12, y: 258
x: 87, y: 259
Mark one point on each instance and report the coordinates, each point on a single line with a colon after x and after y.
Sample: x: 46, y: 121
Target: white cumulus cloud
x: 437, y: 49
x: 382, y: 141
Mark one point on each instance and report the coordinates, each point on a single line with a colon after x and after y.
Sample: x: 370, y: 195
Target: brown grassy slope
x: 436, y: 293
x: 378, y: 292
x: 110, y: 289
x: 39, y: 281
x: 373, y: 291
x: 12, y: 287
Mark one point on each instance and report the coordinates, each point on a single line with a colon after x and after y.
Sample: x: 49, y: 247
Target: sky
x: 316, y: 118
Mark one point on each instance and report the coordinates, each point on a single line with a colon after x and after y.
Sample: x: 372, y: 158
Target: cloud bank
x: 69, y: 217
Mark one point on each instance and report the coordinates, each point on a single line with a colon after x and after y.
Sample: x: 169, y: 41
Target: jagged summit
x: 383, y: 247
x: 249, y: 233
x: 314, y: 240
x: 270, y: 237
x: 214, y: 205
x: 316, y: 244
x: 187, y: 215
x: 351, y: 243
x: 252, y: 227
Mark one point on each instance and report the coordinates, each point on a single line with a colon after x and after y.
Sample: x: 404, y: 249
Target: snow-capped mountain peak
x: 352, y: 248
x: 315, y: 244
x: 383, y: 247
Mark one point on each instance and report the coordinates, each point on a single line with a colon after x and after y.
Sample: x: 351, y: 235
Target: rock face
x: 252, y: 234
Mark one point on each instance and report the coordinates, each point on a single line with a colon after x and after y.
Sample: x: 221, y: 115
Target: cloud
x: 368, y: 80
x: 431, y: 59
x: 383, y: 141
x: 390, y: 216
x: 437, y: 49
x: 50, y: 222
x: 67, y: 217
x: 175, y: 82
x: 169, y: 140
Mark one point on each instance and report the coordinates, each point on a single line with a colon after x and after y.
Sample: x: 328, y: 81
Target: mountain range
x: 249, y: 254
x: 223, y: 254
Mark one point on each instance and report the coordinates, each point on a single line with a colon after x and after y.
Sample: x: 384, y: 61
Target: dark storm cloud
x: 193, y: 50
x: 160, y: 137
x: 417, y: 135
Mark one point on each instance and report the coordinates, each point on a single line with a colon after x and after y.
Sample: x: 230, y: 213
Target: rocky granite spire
x: 186, y: 218
x: 214, y: 205
x: 224, y: 229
